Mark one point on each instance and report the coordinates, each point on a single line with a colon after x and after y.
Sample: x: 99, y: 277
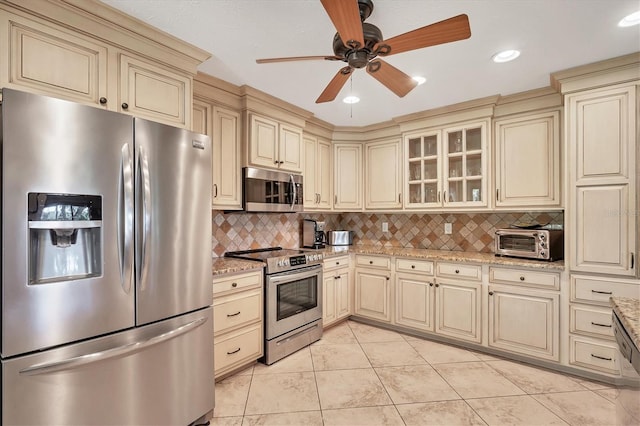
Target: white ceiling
x: 552, y: 34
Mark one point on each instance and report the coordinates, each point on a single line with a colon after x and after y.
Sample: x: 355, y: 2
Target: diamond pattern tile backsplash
x: 471, y: 231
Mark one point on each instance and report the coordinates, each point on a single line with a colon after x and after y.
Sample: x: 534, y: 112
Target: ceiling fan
x: 359, y: 44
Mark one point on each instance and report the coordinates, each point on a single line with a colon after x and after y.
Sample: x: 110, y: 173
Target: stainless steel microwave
x: 271, y: 191
x: 541, y: 244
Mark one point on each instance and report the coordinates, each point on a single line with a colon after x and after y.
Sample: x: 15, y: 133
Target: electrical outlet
x: 385, y: 226
x: 448, y: 228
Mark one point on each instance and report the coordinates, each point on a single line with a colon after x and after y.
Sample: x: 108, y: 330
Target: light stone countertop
x: 226, y: 265
x: 628, y: 310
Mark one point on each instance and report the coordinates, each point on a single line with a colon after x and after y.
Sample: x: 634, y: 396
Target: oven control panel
x: 293, y: 262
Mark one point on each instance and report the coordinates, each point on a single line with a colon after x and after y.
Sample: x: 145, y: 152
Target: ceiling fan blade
x: 333, y: 88
x: 452, y: 29
x: 395, y: 80
x: 299, y: 58
x: 345, y: 16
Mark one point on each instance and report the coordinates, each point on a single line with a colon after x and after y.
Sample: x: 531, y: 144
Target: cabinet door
x: 310, y: 173
x: 527, y: 165
x: 414, y: 301
x: 158, y: 94
x: 524, y: 321
x: 48, y: 61
x: 324, y: 175
x: 343, y: 294
x: 347, y: 177
x: 465, y: 165
x: 458, y: 310
x: 227, y: 179
x: 328, y: 298
x: 201, y: 117
x: 263, y: 141
x: 422, y: 170
x: 290, y: 148
x: 373, y: 295
x: 382, y: 175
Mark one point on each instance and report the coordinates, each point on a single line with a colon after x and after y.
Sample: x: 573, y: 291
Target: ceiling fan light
x: 351, y: 100
x: 505, y: 56
x: 630, y: 20
x: 419, y: 79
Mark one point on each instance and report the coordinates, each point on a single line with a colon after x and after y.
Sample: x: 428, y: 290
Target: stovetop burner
x: 279, y: 259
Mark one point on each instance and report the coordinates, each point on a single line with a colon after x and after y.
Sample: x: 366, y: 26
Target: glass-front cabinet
x: 448, y: 167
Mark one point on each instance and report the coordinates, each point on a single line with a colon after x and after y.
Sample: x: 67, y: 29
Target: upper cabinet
x: 527, y: 160
x: 274, y: 144
x: 143, y: 72
x: 383, y: 175
x: 317, y: 174
x: 347, y: 176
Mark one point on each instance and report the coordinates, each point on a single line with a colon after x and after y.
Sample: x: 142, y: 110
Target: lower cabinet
x: 336, y: 290
x: 237, y: 321
x: 373, y: 287
x: 458, y: 309
x: 414, y: 301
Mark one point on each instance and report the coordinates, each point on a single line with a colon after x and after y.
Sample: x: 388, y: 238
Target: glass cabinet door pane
x: 431, y: 168
x: 455, y: 193
x: 431, y: 192
x: 415, y: 148
x: 430, y: 145
x: 455, y: 142
x: 474, y: 191
x: 474, y: 139
x: 415, y: 170
x: 474, y: 165
x: 455, y: 167
x: 415, y: 192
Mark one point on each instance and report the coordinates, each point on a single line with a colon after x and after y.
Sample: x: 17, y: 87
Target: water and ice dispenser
x: 65, y: 234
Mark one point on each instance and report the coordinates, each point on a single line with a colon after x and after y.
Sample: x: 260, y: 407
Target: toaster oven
x: 541, y: 244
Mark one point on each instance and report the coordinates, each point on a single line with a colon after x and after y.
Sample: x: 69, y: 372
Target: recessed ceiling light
x: 629, y: 20
x: 351, y: 100
x: 419, y: 79
x: 505, y: 56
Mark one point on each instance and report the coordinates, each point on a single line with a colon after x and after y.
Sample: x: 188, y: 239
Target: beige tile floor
x: 362, y: 375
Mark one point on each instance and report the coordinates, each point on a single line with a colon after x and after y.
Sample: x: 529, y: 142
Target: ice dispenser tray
x: 65, y: 237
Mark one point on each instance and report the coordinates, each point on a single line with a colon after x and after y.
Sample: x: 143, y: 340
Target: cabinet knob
x: 280, y: 162
x: 234, y: 284
x: 521, y: 278
x: 103, y: 100
x: 413, y: 266
x: 437, y: 285
x: 125, y: 105
x: 387, y: 278
x: 371, y: 262
x: 430, y: 284
x: 337, y: 277
x: 490, y: 293
x: 457, y: 271
x: 275, y: 162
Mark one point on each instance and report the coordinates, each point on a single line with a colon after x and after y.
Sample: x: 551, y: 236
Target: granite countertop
x: 226, y: 265
x: 445, y: 255
x: 628, y: 310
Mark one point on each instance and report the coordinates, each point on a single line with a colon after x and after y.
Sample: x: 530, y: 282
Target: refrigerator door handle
x: 146, y: 217
x: 125, y: 220
x: 120, y: 351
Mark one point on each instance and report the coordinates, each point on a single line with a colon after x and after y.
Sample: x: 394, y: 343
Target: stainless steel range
x: 293, y: 299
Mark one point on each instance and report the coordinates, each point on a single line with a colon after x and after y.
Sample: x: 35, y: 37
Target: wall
x: 471, y: 231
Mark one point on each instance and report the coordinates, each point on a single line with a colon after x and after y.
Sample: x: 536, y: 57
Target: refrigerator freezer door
x: 159, y: 374
x: 52, y: 298
x: 173, y: 221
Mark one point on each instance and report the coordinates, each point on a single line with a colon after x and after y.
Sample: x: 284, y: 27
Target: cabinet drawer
x: 232, y: 283
x: 459, y: 270
x: 373, y: 261
x: 521, y: 277
x: 236, y: 348
x: 591, y: 321
x: 335, y: 262
x: 594, y: 355
x: 598, y: 290
x: 237, y: 310
x: 415, y: 266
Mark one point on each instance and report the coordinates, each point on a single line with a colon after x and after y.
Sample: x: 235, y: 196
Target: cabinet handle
x: 521, y: 278
x: 601, y: 292
x: 103, y: 100
x: 234, y: 285
x: 215, y: 190
x: 400, y: 198
x: 438, y: 196
x: 632, y: 260
x: 497, y: 194
x: 125, y: 105
x: 233, y: 352
x: 337, y: 277
x: 233, y: 315
x: 490, y: 293
x: 601, y: 325
x: 335, y: 199
x: 280, y: 162
x: 601, y: 357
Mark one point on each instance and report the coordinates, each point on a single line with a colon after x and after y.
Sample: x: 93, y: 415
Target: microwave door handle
x: 125, y: 219
x: 295, y: 192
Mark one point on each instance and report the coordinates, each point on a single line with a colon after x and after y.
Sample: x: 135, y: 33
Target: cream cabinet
x: 237, y: 321
x: 129, y: 73
x: 527, y: 160
x: 415, y: 294
x: 458, y: 301
x: 347, y: 176
x: 383, y: 175
x: 447, y: 168
x: 317, y: 174
x: 274, y: 144
x: 373, y: 287
x: 602, y: 131
x: 337, y: 290
x: 524, y: 318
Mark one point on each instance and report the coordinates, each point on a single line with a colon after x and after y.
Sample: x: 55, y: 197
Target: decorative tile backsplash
x: 471, y: 231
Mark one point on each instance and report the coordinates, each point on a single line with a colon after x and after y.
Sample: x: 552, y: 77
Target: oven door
x: 293, y: 299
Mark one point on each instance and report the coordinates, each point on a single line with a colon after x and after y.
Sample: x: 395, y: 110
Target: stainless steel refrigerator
x: 106, y: 267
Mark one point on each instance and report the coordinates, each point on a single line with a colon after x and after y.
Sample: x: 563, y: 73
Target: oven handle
x: 294, y: 275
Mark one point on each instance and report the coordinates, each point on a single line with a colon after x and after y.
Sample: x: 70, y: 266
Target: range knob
x: 542, y: 244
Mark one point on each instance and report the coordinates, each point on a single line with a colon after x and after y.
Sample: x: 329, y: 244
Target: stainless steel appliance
x: 541, y: 244
x: 313, y: 234
x: 340, y: 238
x: 271, y: 191
x: 293, y: 299
x: 106, y: 267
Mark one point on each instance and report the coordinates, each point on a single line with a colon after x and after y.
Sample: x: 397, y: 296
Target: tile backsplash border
x: 471, y: 231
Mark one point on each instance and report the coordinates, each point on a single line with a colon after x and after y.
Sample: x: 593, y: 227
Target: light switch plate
x: 448, y: 228
x: 385, y: 226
